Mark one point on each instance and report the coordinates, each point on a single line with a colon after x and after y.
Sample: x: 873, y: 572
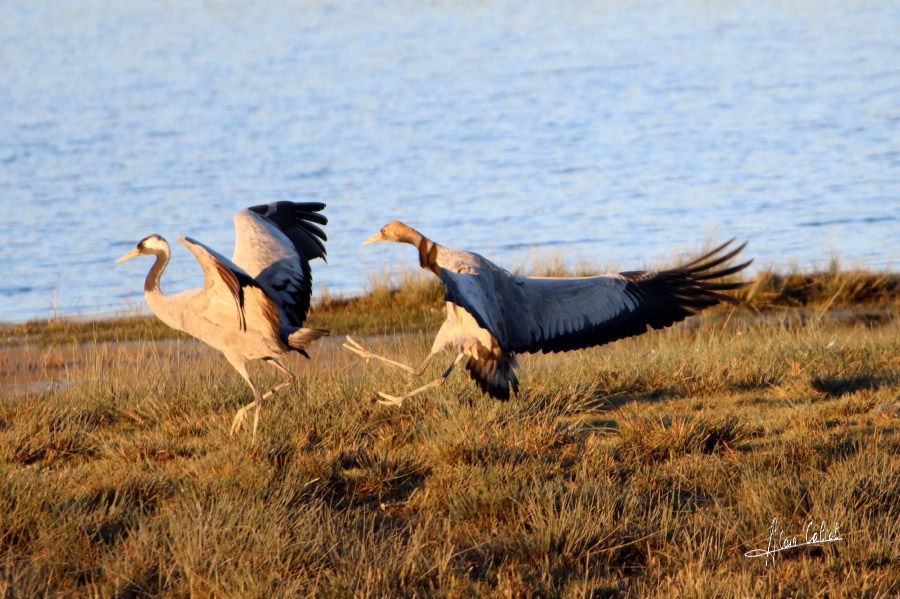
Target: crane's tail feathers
x: 494, y: 372
x: 301, y: 338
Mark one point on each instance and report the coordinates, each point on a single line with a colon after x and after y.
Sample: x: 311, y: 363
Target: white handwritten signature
x: 779, y: 542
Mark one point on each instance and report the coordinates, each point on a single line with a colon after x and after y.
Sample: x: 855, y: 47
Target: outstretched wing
x: 224, y: 283
x: 529, y: 314
x: 274, y: 244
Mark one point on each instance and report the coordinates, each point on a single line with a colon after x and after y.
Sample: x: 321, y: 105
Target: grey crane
x: 492, y: 314
x: 251, y: 307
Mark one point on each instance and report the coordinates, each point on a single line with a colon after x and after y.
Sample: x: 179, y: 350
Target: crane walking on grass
x: 492, y: 315
x: 252, y: 306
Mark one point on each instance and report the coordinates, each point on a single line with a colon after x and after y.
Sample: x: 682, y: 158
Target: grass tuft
x: 652, y: 439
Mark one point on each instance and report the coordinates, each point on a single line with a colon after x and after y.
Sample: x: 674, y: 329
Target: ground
x: 646, y: 467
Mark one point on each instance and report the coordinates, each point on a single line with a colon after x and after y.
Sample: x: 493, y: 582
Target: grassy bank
x: 414, y: 302
x: 645, y: 468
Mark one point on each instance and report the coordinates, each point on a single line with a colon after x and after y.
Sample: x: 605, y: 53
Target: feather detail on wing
x: 528, y: 314
x: 274, y: 244
x: 224, y: 282
x: 260, y: 312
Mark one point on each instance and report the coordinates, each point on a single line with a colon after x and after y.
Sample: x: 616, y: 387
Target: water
x: 610, y: 132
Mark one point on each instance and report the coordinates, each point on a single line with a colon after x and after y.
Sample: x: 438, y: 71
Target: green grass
x: 647, y: 467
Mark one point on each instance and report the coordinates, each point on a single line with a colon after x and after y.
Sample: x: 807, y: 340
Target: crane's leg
x: 291, y: 378
x: 240, y: 364
x: 392, y: 400
x: 359, y: 350
x: 277, y: 365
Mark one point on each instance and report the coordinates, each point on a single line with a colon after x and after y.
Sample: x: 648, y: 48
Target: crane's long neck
x: 151, y: 283
x: 427, y: 249
x: 159, y: 303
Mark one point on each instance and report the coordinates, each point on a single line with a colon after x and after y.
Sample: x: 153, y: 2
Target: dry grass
x: 643, y: 468
x: 413, y: 301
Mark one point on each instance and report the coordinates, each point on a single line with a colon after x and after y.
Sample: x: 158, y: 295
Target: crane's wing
x: 227, y: 287
x: 530, y: 314
x: 274, y: 244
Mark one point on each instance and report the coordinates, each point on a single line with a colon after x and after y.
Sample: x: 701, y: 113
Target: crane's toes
x: 358, y: 351
x: 389, y: 400
x: 352, y: 348
x: 238, y: 421
x: 351, y: 342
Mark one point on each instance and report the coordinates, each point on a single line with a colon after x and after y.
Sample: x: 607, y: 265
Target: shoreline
x: 415, y: 303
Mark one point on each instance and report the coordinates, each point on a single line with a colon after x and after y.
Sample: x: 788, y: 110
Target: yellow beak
x: 129, y: 256
x: 376, y: 237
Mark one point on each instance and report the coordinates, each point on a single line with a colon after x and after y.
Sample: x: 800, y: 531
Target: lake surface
x: 620, y: 134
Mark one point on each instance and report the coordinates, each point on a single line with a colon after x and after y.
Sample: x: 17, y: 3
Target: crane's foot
x: 352, y: 346
x: 241, y: 415
x: 390, y: 400
x: 394, y: 400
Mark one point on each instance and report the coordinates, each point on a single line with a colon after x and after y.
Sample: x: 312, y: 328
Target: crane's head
x: 152, y: 244
x: 394, y: 231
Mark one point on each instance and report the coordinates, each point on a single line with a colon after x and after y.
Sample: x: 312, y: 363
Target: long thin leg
x: 241, y: 366
x: 277, y: 365
x: 359, y: 350
x: 291, y: 378
x: 392, y: 400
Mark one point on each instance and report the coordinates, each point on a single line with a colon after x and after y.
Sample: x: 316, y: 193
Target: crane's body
x: 252, y: 306
x: 493, y: 315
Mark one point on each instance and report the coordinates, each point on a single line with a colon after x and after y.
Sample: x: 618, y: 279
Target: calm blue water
x: 611, y: 132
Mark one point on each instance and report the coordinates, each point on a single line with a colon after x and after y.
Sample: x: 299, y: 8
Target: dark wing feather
x: 274, y: 243
x: 295, y: 219
x: 528, y: 314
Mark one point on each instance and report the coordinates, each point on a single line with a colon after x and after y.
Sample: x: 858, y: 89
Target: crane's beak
x: 376, y: 237
x: 129, y: 256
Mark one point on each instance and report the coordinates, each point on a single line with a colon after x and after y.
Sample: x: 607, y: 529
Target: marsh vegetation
x: 645, y: 467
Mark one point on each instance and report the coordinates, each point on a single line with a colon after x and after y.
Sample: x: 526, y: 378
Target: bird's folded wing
x: 530, y: 314
x: 224, y: 282
x: 274, y: 244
